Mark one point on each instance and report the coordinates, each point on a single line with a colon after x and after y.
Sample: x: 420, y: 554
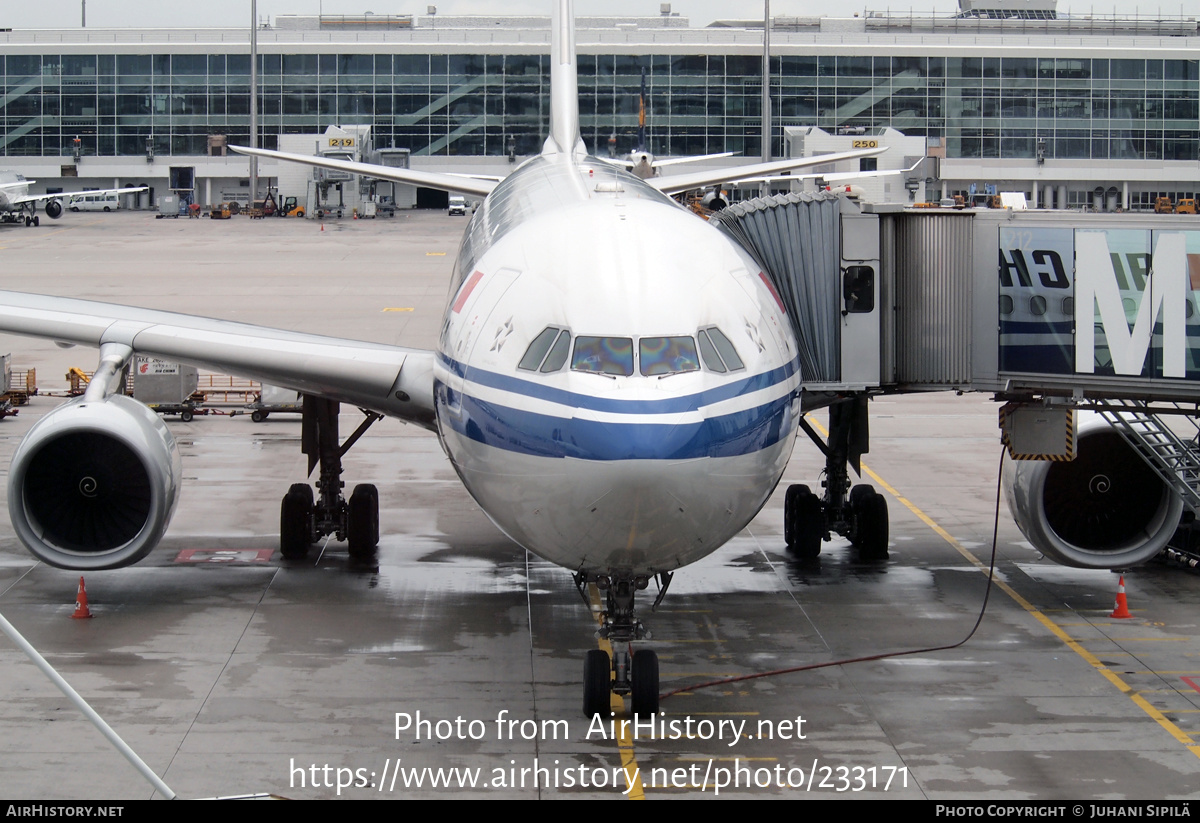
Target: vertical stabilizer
x: 564, y: 83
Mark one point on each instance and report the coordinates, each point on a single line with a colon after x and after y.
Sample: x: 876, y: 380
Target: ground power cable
x: 884, y: 655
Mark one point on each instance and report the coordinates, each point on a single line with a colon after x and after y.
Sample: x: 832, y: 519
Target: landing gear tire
x: 645, y: 683
x: 36, y: 221
x: 870, y: 534
x: 597, y: 683
x: 362, y: 522
x: 295, y: 522
x: 803, y: 521
x: 258, y: 415
x: 28, y: 222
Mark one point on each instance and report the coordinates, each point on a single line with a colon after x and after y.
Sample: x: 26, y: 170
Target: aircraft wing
x: 677, y: 183
x: 392, y: 380
x: 434, y: 180
x: 37, y: 198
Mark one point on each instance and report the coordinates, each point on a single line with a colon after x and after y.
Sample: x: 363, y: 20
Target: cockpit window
x: 660, y: 356
x: 558, y: 353
x: 656, y: 356
x: 536, y: 352
x: 718, y: 352
x: 709, y: 352
x: 553, y: 340
x: 603, y: 355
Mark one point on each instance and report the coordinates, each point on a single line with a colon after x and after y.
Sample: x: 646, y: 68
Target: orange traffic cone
x: 81, y: 605
x: 1122, y: 607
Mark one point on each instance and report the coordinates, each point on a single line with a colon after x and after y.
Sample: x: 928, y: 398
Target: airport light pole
x: 253, y: 99
x: 765, y: 189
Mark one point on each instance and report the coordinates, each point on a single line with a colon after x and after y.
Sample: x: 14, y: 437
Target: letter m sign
x: 1097, y: 292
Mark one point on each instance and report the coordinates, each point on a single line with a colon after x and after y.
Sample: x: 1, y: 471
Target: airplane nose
x: 644, y: 519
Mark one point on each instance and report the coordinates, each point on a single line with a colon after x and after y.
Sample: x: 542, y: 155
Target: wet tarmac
x: 231, y: 671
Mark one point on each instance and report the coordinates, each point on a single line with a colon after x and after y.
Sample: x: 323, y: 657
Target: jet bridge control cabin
x: 1053, y: 312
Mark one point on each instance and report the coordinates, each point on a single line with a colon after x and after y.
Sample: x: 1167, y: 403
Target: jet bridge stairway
x: 1175, y: 460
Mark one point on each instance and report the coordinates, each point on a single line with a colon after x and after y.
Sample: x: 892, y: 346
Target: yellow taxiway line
x: 1072, y: 644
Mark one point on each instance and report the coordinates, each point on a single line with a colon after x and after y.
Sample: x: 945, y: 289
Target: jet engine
x: 1106, y: 509
x: 54, y: 209
x: 94, y: 483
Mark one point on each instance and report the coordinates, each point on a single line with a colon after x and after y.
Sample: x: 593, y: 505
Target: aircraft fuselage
x: 626, y: 445
x: 12, y: 187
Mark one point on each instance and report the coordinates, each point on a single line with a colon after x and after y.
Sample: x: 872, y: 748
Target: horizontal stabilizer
x: 677, y: 183
x: 428, y: 179
x: 670, y: 161
x: 834, y: 177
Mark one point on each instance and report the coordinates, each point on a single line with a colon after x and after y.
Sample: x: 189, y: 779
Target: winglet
x: 564, y: 84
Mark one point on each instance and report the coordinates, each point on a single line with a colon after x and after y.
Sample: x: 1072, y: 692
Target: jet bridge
x: 1053, y: 312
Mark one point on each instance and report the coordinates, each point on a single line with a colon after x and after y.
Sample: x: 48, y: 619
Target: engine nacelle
x: 1106, y: 509
x: 54, y: 209
x: 93, y: 485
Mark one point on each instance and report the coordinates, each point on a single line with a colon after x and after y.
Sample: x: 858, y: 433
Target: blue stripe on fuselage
x: 544, y: 435
x: 670, y: 405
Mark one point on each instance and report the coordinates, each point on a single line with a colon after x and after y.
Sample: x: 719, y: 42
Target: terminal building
x: 1076, y: 112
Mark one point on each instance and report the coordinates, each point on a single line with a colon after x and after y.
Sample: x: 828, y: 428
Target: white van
x: 458, y: 204
x: 109, y: 201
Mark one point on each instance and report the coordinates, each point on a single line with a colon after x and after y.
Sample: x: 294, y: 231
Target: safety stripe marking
x: 1033, y: 611
x: 633, y: 772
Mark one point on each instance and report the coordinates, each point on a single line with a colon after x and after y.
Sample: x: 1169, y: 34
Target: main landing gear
x: 859, y: 513
x: 627, y: 672
x: 303, y: 519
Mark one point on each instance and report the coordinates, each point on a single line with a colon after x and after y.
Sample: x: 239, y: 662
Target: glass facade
x: 480, y: 104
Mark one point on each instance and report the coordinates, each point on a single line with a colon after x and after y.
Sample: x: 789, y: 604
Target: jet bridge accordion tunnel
x: 1060, y: 314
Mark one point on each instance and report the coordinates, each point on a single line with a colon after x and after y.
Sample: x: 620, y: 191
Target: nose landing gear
x: 627, y: 672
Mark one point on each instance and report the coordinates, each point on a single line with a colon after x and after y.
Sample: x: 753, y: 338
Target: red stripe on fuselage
x: 774, y: 293
x: 467, y: 288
